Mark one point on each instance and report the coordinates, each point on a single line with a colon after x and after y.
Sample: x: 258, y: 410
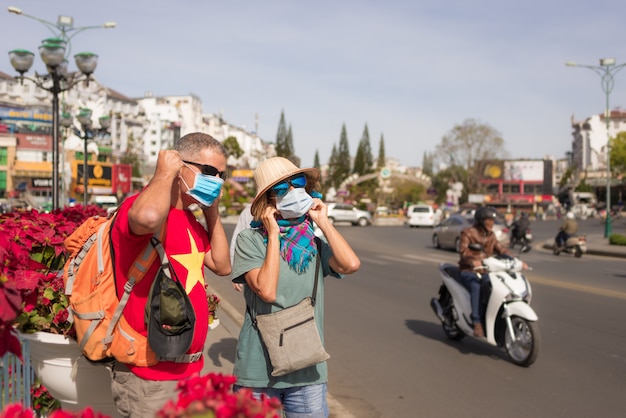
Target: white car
x: 343, y: 212
x: 422, y: 215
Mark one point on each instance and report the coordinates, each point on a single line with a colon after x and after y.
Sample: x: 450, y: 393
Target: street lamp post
x: 88, y: 132
x: 606, y: 70
x: 54, y: 52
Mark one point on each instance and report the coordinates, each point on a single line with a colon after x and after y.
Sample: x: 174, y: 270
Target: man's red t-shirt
x: 186, y: 242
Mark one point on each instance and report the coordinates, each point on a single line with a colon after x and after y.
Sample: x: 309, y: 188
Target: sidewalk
x: 597, y: 245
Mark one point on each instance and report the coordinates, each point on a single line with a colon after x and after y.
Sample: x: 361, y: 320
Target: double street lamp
x: 54, y: 52
x: 88, y: 132
x: 606, y: 70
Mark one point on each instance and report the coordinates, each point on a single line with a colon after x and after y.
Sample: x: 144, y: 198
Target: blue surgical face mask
x: 294, y: 204
x: 205, y: 188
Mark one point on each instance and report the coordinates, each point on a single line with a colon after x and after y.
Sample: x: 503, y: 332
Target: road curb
x: 608, y: 252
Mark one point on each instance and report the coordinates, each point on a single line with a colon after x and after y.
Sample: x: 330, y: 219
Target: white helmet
x: 570, y: 215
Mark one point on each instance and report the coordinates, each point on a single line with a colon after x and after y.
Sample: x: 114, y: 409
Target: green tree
x: 363, y: 160
x: 469, y: 142
x: 289, y: 149
x: 131, y: 156
x: 618, y: 155
x: 282, y: 148
x: 442, y: 180
x: 232, y: 147
x: 342, y: 165
x: 381, y: 161
x: 331, y: 180
x: 428, y: 163
x: 316, y: 160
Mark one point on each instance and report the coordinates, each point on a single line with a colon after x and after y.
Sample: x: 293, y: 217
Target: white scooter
x: 509, y: 321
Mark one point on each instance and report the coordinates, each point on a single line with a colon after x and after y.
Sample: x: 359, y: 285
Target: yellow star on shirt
x: 194, y: 263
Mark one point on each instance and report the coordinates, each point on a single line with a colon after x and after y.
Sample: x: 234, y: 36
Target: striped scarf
x: 297, y: 245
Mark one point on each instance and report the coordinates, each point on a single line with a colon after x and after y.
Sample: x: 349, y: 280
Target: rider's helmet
x: 485, y: 212
x: 570, y: 215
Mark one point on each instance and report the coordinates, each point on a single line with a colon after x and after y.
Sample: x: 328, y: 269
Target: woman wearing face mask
x: 276, y: 259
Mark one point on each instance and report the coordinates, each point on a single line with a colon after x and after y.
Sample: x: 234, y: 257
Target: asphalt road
x: 390, y: 358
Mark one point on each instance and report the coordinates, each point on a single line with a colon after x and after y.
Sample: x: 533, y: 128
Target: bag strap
x: 318, y: 244
x: 136, y: 273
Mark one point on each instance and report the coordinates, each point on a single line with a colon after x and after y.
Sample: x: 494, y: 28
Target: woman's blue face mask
x: 205, y: 188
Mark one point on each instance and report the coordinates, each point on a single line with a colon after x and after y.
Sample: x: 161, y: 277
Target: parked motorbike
x: 509, y: 321
x: 524, y: 242
x: 576, y: 245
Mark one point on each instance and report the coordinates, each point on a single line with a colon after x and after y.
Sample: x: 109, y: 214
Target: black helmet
x: 485, y: 212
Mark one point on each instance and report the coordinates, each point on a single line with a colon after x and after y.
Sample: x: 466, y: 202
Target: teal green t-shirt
x: 252, y: 365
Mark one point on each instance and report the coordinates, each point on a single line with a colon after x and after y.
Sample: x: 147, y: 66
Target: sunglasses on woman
x: 282, y: 188
x: 208, y: 170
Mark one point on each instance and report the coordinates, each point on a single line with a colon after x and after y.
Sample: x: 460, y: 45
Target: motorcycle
x: 576, y: 245
x: 509, y: 321
x: 524, y: 241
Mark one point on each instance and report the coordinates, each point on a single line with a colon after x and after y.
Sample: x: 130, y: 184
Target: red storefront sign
x: 121, y: 180
x: 34, y: 142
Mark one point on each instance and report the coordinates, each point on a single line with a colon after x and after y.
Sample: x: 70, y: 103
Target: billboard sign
x: 523, y: 170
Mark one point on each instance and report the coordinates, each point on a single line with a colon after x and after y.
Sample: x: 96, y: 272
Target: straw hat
x: 276, y: 169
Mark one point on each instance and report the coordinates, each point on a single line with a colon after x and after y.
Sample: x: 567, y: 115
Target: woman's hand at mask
x: 318, y: 211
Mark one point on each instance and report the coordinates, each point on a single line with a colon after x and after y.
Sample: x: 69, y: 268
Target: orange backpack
x: 89, y: 277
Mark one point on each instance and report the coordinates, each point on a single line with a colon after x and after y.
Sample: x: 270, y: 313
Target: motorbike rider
x: 519, y: 227
x: 568, y: 228
x: 471, y: 277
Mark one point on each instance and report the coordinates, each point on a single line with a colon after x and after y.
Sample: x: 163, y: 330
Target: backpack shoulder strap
x: 135, y: 274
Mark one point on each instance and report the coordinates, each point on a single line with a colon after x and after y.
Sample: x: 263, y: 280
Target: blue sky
x: 411, y: 70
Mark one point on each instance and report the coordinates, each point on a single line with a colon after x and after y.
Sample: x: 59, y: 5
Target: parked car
x: 448, y: 233
x: 343, y: 212
x: 422, y: 215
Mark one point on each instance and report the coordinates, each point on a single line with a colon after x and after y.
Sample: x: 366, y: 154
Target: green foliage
x: 618, y: 154
x: 566, y: 176
x: 381, y: 161
x: 131, y: 156
x: 428, y: 163
x: 583, y: 186
x: 331, y: 180
x: 282, y: 148
x: 232, y: 147
x: 617, y: 239
x: 442, y: 180
x: 405, y: 191
x: 339, y: 164
x: 363, y: 161
x: 289, y: 149
x: 316, y: 160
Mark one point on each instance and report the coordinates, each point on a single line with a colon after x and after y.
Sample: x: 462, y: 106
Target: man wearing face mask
x: 192, y: 173
x: 276, y: 259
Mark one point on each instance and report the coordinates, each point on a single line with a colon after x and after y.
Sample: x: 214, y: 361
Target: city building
x: 589, y: 151
x: 139, y: 128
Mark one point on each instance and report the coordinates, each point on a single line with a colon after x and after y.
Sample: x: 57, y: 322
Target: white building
x: 589, y: 144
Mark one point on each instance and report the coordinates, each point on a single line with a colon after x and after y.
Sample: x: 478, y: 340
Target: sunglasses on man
x: 282, y: 188
x: 208, y: 170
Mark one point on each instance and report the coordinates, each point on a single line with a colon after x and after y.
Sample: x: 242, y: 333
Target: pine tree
x: 381, y: 162
x: 368, y: 160
x: 289, y: 144
x: 316, y: 160
x: 428, y: 163
x: 282, y: 149
x: 342, y: 170
x: 331, y: 180
x: 359, y: 160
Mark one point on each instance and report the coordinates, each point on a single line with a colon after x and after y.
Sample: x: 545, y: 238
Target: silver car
x: 343, y: 212
x: 448, y: 233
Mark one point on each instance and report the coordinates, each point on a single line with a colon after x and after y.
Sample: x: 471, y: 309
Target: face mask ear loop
x: 180, y: 177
